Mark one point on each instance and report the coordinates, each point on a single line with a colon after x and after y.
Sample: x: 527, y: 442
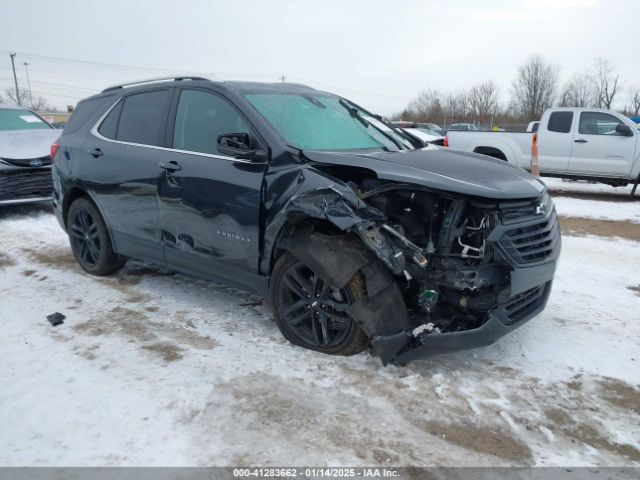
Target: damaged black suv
x: 357, y: 235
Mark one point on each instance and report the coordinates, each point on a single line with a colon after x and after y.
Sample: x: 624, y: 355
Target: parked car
x: 425, y: 136
x: 532, y: 127
x: 25, y: 161
x: 468, y: 127
x: 430, y: 128
x: 573, y: 143
x: 354, y: 236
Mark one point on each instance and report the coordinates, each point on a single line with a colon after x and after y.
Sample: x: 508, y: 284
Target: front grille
x: 25, y: 184
x: 519, y: 210
x: 28, y: 162
x: 524, y: 304
x: 532, y: 242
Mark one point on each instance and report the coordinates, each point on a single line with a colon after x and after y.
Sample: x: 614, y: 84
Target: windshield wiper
x: 355, y: 113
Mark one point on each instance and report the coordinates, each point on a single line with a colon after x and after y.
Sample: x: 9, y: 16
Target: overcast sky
x: 379, y: 53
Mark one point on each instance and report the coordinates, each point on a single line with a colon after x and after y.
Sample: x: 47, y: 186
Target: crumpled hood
x: 24, y: 144
x: 443, y: 169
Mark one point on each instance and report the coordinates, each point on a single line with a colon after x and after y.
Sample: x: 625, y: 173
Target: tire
x: 298, y: 294
x: 90, y: 241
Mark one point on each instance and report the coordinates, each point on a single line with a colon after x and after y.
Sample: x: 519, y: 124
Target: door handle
x: 171, y: 166
x: 580, y: 140
x: 95, y: 152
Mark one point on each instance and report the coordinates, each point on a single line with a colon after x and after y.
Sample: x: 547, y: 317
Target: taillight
x: 54, y: 150
x: 446, y: 141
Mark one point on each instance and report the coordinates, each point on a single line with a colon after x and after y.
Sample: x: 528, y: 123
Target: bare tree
x: 427, y: 105
x: 38, y: 103
x: 484, y: 99
x: 635, y: 101
x: 608, y: 82
x: 456, y: 107
x: 534, y: 88
x: 580, y: 91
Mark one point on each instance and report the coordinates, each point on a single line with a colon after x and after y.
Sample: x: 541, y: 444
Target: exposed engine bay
x: 449, y: 277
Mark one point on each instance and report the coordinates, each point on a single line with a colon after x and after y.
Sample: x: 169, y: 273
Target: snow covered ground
x: 581, y: 187
x: 594, y: 200
x: 152, y: 368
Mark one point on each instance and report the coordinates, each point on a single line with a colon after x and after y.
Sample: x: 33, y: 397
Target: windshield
x: 16, y: 119
x: 323, y: 122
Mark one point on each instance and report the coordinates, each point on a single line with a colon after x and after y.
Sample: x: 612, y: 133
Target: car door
x: 554, y: 142
x: 209, y: 203
x: 121, y: 168
x: 599, y: 150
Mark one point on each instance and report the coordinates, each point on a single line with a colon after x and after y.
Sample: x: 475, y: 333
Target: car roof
x: 231, y: 86
x: 238, y: 86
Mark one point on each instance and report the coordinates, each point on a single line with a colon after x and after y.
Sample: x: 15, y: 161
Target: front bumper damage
x: 523, y: 240
x: 530, y: 287
x: 404, y: 347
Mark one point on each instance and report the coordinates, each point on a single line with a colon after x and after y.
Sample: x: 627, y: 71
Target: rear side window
x: 143, y: 118
x: 109, y: 125
x: 84, y: 110
x: 598, y: 123
x: 560, y: 122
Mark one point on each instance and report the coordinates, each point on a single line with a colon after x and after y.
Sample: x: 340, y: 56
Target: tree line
x: 37, y: 103
x: 535, y: 88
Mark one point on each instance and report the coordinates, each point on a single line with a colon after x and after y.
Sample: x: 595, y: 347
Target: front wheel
x: 90, y: 240
x: 310, y: 311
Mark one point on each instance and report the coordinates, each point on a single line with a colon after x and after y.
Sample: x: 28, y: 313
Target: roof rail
x: 154, y: 80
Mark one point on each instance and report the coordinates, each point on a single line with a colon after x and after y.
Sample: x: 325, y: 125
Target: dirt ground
x: 602, y: 228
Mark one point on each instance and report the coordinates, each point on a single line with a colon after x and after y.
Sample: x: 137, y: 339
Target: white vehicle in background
x: 425, y: 135
x: 574, y: 143
x: 25, y: 159
x: 533, y: 127
x: 463, y: 127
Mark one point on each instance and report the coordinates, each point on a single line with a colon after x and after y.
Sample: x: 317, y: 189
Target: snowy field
x: 594, y: 201
x: 152, y: 368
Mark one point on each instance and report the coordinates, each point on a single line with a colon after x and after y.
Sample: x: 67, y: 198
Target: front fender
x: 298, y: 195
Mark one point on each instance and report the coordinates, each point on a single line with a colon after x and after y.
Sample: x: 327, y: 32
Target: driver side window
x: 598, y: 123
x: 201, y: 118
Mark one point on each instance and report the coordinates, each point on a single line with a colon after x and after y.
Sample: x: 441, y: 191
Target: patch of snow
x: 597, y: 209
x: 157, y: 369
x: 559, y: 185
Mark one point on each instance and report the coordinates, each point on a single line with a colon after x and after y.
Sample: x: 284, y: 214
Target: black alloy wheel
x: 89, y: 238
x: 311, y: 312
x: 84, y: 237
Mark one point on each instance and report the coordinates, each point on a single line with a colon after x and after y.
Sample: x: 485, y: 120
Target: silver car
x: 25, y: 159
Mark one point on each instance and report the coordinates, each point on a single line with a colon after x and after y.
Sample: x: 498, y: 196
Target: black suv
x: 356, y: 236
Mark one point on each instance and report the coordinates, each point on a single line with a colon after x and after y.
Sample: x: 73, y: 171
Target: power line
x: 87, y: 62
x: 215, y: 74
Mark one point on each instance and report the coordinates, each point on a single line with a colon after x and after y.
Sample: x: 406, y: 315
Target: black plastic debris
x: 56, y: 319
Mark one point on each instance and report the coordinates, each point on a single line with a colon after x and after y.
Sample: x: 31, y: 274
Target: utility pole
x: 15, y: 78
x: 26, y: 64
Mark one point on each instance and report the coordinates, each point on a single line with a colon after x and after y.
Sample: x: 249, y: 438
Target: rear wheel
x: 310, y: 310
x: 89, y: 239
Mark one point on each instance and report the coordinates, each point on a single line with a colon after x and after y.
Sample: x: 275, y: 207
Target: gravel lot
x: 155, y: 368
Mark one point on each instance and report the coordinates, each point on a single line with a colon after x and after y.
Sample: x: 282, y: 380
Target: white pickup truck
x: 577, y: 143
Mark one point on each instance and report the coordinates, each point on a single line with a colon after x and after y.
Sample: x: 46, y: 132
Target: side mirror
x: 624, y: 130
x: 238, y: 145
